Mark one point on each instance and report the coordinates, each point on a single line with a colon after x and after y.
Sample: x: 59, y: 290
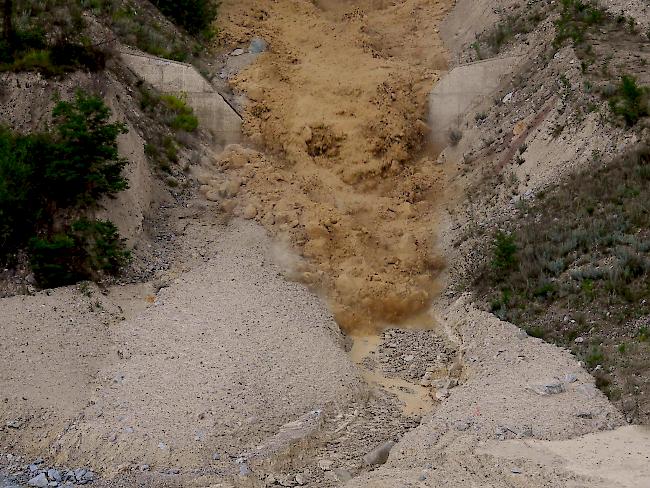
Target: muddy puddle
x: 366, y: 352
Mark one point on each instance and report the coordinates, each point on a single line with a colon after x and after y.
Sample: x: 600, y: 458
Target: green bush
x: 505, y: 249
x: 55, y: 261
x: 87, y: 248
x: 575, y: 19
x: 85, y: 164
x: 21, y: 201
x: 30, y: 51
x: 181, y: 115
x: 103, y: 247
x: 630, y: 101
x: 195, y: 16
x: 135, y: 27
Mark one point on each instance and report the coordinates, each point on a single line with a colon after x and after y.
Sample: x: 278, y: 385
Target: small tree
x: 86, y: 164
x: 69, y: 167
x: 630, y: 101
x: 504, y: 258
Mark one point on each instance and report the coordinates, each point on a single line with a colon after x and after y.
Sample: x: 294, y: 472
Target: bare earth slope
x: 228, y: 353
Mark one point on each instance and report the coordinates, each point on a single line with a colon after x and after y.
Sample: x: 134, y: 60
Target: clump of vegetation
x: 576, y: 18
x: 82, y: 252
x: 504, y: 259
x: 577, y: 265
x: 172, y: 109
x: 182, y: 115
x: 136, y: 27
x: 61, y: 23
x: 195, y: 16
x: 494, y: 40
x: 630, y: 101
x: 163, y: 145
x: 84, y: 163
x: 47, y: 40
x: 47, y: 177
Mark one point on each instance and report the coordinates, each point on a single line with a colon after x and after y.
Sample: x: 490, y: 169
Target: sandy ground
x: 214, y: 362
x: 220, y: 364
x: 496, y: 429
x: 340, y: 106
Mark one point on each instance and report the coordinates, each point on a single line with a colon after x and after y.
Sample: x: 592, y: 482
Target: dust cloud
x: 342, y: 173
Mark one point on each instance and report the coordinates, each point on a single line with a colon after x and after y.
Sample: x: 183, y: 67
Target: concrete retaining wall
x: 213, y: 112
x: 462, y: 88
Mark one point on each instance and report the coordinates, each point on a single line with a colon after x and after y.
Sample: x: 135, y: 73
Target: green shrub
x: 505, y: 249
x: 181, y: 115
x: 171, y: 148
x: 102, y: 245
x: 644, y: 334
x: 595, y: 356
x: 55, y: 261
x: 576, y: 18
x: 29, y: 49
x: 136, y: 28
x: 195, y: 16
x: 185, y: 122
x: 630, y: 101
x: 71, y: 56
x: 87, y: 248
x: 21, y: 200
x: 502, y: 33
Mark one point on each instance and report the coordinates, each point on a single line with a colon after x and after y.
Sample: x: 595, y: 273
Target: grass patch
x: 181, y: 115
x: 577, y: 265
x: 137, y: 27
x: 48, y: 37
x: 179, y: 122
x: 492, y: 42
x: 576, y: 19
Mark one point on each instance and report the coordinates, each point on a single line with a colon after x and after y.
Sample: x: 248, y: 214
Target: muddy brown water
x: 416, y: 399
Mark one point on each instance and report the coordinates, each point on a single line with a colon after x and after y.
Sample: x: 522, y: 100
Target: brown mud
x: 338, y: 109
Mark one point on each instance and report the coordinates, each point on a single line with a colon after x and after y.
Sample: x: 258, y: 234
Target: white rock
x: 442, y: 394
x: 325, y: 464
x: 39, y: 481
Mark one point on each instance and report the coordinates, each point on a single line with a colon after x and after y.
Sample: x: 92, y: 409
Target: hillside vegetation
x: 573, y: 264
x: 47, y: 182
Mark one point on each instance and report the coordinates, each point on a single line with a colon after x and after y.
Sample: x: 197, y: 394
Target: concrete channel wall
x: 173, y: 77
x: 461, y: 89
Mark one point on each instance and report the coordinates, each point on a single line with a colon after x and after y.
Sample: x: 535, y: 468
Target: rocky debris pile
x: 240, y: 58
x: 415, y: 355
x: 39, y: 475
x: 289, y: 434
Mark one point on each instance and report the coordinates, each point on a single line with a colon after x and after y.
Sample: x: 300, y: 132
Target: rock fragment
x: 39, y: 481
x: 379, y: 455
